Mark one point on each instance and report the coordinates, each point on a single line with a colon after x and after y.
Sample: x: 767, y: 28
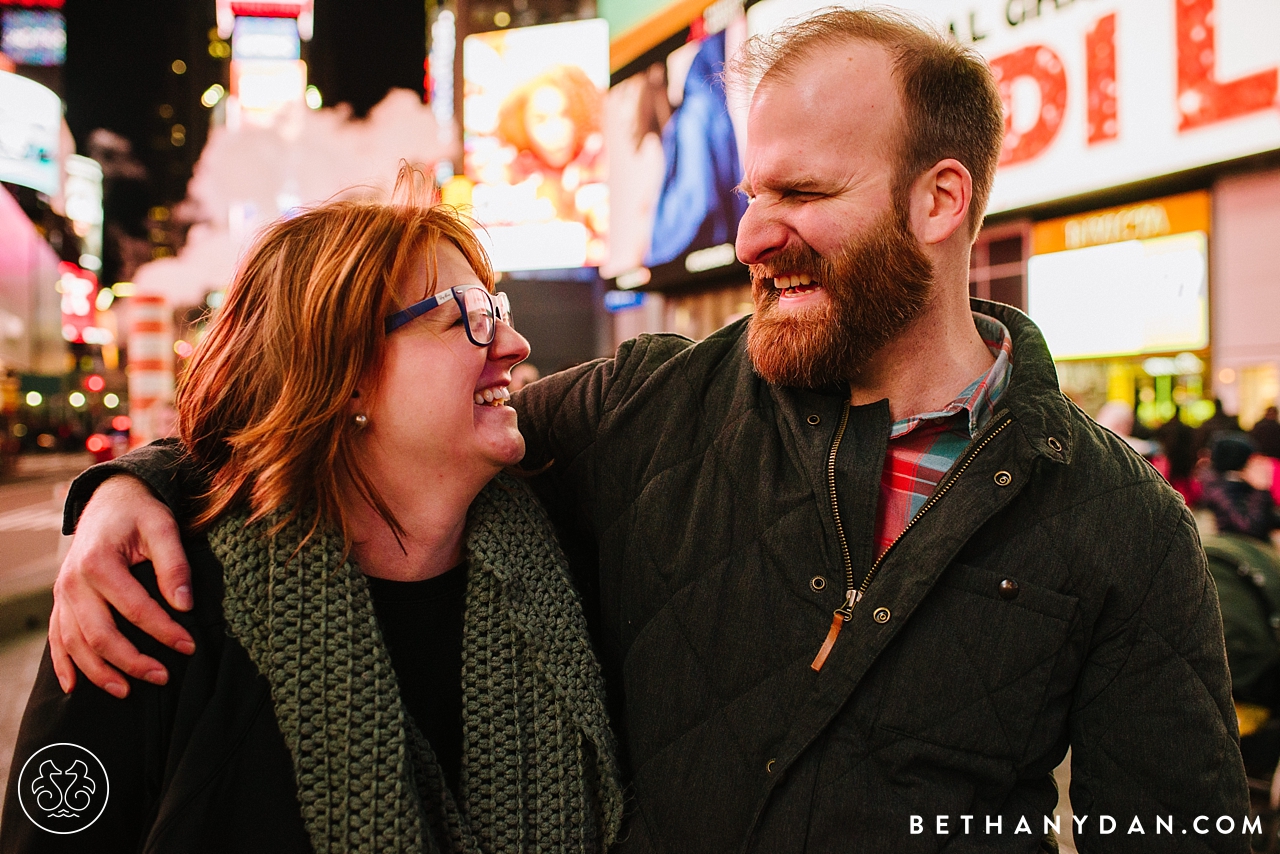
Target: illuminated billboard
x: 33, y: 36
x: 1123, y: 281
x: 675, y: 164
x: 265, y: 38
x: 30, y: 121
x: 1110, y: 92
x: 533, y: 143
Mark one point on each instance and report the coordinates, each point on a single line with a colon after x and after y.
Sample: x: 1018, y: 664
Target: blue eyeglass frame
x: 499, y: 310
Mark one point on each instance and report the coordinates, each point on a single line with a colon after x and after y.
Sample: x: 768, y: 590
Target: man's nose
x: 760, y: 234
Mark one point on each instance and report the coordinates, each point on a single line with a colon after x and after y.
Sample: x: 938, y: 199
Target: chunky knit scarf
x: 538, y: 771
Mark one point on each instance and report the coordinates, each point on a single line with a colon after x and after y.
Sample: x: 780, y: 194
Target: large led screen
x: 675, y: 163
x: 33, y: 36
x: 534, y: 143
x: 30, y: 120
x: 1121, y: 299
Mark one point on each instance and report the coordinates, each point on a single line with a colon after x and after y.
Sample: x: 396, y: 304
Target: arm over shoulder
x: 163, y: 466
x: 560, y: 415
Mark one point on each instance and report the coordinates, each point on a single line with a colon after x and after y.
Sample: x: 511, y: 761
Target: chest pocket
x: 973, y: 668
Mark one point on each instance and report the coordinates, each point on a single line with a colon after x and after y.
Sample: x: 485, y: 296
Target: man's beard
x: 876, y: 285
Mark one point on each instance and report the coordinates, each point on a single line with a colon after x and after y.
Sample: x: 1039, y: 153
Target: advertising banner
x: 1123, y: 281
x: 534, y: 144
x: 1107, y: 92
x: 675, y: 163
x: 30, y: 121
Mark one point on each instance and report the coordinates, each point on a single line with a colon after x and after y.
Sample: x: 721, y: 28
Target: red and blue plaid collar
x: 980, y: 397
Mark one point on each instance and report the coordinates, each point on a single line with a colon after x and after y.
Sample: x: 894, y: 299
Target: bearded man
x: 858, y: 571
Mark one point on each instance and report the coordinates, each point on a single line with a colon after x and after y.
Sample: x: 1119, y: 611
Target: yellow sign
x: 1154, y: 218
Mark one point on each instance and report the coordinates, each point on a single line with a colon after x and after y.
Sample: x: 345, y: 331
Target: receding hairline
x: 774, y: 57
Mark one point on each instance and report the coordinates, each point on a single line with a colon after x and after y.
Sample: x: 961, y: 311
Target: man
x: 858, y: 570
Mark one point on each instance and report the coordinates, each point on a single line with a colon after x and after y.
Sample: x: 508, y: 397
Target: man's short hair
x: 951, y: 104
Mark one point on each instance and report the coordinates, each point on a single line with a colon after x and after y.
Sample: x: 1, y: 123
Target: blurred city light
x: 34, y: 398
x: 179, y: 67
x: 95, y: 383
x: 76, y: 399
x: 123, y: 289
x: 97, y: 443
x: 213, y: 95
x: 111, y: 401
x: 313, y: 98
x: 104, y: 299
x: 121, y: 422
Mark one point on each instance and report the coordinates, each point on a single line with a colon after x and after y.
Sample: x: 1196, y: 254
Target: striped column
x: 150, y: 369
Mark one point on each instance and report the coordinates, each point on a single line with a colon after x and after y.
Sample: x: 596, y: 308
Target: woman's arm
x: 121, y: 522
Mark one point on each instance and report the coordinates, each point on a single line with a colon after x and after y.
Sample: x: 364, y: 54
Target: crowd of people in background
x: 1232, y: 479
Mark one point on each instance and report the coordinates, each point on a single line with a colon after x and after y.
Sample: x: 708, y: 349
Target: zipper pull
x: 839, y: 617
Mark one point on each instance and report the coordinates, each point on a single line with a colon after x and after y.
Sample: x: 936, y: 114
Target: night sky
x: 118, y: 70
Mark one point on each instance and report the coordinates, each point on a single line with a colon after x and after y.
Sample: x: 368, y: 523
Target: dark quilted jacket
x: 694, y: 501
x: 1054, y: 594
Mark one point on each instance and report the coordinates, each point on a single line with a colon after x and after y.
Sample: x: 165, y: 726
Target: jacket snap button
x: 813, y: 419
x: 880, y: 615
x: 1008, y: 589
x: 1055, y: 445
x: 817, y: 583
x: 1003, y: 478
x: 768, y: 766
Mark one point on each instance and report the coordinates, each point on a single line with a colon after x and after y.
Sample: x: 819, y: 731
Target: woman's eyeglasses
x: 480, y: 312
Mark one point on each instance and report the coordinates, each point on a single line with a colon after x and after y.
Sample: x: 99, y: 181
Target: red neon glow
x: 1044, y: 67
x: 1202, y: 100
x: 97, y: 442
x: 1100, y: 55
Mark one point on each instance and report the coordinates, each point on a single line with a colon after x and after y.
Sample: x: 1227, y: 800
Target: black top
x: 421, y: 622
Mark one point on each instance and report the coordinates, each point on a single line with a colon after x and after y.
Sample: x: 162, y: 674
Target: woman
x: 389, y: 654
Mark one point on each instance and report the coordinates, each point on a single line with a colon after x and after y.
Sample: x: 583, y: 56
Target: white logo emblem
x: 63, y: 788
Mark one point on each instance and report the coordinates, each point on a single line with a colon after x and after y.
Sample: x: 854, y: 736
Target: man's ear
x: 940, y: 200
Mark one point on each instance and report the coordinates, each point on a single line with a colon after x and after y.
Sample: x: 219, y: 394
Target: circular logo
x: 63, y: 788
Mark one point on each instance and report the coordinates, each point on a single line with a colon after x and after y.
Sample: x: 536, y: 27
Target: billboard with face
x: 534, y: 145
x: 675, y: 155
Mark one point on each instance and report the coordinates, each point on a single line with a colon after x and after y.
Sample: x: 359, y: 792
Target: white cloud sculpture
x: 249, y: 176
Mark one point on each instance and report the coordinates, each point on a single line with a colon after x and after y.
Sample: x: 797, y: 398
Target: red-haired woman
x: 389, y: 654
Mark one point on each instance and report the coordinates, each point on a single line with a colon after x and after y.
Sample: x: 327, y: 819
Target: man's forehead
x: 838, y: 98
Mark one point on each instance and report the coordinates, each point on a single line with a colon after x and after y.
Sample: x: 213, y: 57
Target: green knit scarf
x: 539, y: 772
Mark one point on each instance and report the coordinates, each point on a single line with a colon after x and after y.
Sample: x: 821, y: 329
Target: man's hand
x: 122, y: 524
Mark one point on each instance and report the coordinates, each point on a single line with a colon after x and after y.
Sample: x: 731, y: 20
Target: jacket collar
x: 1033, y: 396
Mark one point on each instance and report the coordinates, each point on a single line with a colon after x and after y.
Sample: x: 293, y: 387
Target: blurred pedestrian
x: 1218, y: 422
x: 1177, y: 460
x: 1117, y: 416
x: 1246, y: 569
x: 1266, y: 433
x: 521, y: 375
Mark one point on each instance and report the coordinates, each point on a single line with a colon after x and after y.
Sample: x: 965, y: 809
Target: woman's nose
x: 508, y: 344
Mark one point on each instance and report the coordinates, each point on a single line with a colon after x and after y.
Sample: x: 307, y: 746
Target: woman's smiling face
x: 438, y: 406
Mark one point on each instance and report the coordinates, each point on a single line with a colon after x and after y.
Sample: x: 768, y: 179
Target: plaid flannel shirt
x: 922, y: 448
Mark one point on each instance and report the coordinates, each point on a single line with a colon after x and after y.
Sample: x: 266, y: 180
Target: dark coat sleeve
x: 130, y: 737
x: 1153, y: 728
x: 162, y: 466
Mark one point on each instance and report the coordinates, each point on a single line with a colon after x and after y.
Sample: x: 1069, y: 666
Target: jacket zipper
x: 853, y: 596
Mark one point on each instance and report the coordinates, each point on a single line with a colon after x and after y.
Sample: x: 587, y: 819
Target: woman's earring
x: 360, y: 420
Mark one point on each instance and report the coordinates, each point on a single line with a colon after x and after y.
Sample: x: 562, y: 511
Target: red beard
x: 876, y: 285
